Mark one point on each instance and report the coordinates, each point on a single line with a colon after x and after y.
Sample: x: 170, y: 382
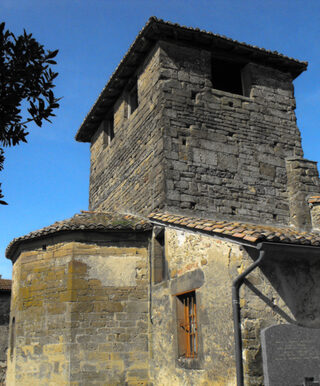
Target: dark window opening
x: 108, y: 131
x: 192, y: 205
x: 158, y: 254
x: 226, y: 76
x: 12, y: 336
x: 133, y: 99
x: 187, y: 325
x: 183, y: 147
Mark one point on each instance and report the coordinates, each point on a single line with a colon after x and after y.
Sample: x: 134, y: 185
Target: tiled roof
x: 251, y: 233
x: 5, y: 285
x: 87, y: 221
x: 156, y: 29
x: 314, y: 199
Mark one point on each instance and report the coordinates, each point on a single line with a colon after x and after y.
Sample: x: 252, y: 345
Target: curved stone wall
x: 79, y: 313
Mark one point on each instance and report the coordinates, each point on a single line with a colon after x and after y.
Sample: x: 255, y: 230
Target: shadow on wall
x: 294, y: 273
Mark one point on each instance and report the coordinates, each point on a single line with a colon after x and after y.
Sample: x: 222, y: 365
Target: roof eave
x: 157, y: 29
x: 3, y: 290
x: 18, y: 245
x: 262, y: 234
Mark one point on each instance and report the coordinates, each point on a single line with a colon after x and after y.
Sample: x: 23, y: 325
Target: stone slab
x: 290, y: 354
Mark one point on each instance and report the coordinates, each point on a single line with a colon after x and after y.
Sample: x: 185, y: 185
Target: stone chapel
x: 202, y: 228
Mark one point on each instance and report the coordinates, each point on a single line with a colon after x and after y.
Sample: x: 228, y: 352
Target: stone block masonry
x: 79, y: 316
x: 283, y: 290
x: 4, y: 331
x: 191, y: 147
x: 127, y: 175
x: 314, y: 203
x: 226, y: 153
x: 303, y: 181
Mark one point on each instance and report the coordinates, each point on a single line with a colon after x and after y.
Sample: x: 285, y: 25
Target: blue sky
x: 47, y: 179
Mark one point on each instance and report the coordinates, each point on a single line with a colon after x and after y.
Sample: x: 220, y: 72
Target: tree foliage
x: 26, y: 83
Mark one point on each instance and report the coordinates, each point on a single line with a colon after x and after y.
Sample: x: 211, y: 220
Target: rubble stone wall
x: 272, y: 294
x: 225, y: 153
x: 315, y: 215
x: 4, y: 332
x: 127, y: 174
x: 191, y: 147
x: 303, y: 181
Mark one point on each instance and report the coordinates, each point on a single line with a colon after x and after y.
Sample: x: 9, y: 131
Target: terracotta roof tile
x: 252, y: 239
x: 314, y: 199
x: 88, y: 221
x: 242, y: 231
x: 239, y: 235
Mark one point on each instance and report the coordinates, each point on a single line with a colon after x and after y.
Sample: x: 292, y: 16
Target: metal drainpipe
x: 150, y: 277
x: 236, y: 285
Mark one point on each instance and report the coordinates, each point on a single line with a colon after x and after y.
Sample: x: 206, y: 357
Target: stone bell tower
x: 198, y: 125
x: 201, y: 124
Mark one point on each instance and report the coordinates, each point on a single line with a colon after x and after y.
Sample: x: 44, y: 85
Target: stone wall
x: 303, y: 180
x: 4, y: 331
x: 200, y: 263
x: 92, y: 313
x: 191, y: 147
x: 286, y: 292
x: 127, y: 175
x: 271, y: 295
x: 225, y: 153
x: 314, y: 204
x: 80, y: 314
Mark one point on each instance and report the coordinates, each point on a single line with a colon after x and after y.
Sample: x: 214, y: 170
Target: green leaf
x: 26, y: 79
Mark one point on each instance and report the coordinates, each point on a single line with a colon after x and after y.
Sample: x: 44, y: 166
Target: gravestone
x: 291, y: 355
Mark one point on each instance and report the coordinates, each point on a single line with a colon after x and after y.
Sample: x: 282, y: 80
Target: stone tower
x: 200, y: 129
x: 195, y: 122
